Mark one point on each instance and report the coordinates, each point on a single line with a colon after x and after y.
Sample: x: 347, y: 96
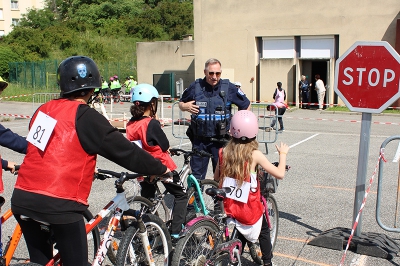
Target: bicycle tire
x: 159, y: 239
x: 208, y: 200
x: 196, y: 244
x: 135, y: 203
x: 223, y: 260
x: 255, y: 251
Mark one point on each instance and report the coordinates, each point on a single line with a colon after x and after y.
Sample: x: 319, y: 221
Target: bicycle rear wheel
x: 193, y: 198
x: 131, y: 250
x: 196, y: 246
x: 273, y: 212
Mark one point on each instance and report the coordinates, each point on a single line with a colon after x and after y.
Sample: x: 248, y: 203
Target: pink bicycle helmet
x: 115, y: 77
x: 112, y: 78
x: 244, y: 125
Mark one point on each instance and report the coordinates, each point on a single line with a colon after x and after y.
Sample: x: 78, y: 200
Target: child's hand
x: 282, y: 148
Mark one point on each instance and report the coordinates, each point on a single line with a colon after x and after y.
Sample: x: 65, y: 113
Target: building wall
x: 230, y: 31
x: 13, y: 9
x: 164, y: 58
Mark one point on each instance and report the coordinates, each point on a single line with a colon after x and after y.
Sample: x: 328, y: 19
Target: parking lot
x: 316, y: 195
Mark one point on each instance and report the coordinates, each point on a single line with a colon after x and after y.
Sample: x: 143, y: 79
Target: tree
x: 28, y: 43
x: 7, y: 55
x: 37, y: 19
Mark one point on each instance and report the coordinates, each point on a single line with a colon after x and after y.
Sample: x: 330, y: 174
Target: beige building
x: 262, y: 42
x: 11, y: 12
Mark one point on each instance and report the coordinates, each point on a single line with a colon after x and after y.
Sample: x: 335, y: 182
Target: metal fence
x: 43, y: 75
x: 181, y: 120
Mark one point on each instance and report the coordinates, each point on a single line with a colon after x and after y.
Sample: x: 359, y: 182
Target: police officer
x: 209, y: 100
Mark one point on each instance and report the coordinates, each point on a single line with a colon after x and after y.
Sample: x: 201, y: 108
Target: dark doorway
x: 317, y: 67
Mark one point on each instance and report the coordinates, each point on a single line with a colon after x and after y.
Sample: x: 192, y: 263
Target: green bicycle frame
x: 193, y: 182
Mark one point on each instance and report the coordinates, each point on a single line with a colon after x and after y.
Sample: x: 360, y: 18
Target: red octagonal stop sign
x: 367, y: 77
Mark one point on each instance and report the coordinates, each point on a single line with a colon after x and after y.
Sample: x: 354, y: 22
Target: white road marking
x: 304, y: 140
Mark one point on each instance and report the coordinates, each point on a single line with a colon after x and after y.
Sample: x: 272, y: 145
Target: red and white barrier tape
x: 21, y: 116
x: 381, y: 155
x: 17, y: 96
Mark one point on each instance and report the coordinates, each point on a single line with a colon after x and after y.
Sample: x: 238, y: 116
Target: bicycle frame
x: 231, y: 245
x: 192, y: 181
x: 12, y: 243
x: 185, y: 176
x: 119, y: 205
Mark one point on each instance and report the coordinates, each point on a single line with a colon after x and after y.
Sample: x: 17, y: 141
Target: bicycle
x: 206, y: 240
x: 12, y: 243
x: 159, y: 204
x: 116, y: 94
x: 269, y: 185
x: 216, y: 229
x: 201, y: 204
x: 149, y: 231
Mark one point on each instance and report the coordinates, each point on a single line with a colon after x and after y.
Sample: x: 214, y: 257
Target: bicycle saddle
x: 219, y: 193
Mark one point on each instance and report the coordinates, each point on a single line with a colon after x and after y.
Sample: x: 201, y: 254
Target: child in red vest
x: 147, y: 133
x: 237, y: 167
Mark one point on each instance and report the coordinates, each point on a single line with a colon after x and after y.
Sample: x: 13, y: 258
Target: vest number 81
x: 37, y: 133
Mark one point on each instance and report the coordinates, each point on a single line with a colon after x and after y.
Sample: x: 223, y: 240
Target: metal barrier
x: 379, y: 189
x: 40, y: 98
x: 181, y: 121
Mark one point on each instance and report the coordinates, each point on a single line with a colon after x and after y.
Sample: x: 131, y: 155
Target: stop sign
x: 367, y: 77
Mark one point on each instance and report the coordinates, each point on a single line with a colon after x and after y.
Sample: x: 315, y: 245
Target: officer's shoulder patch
x: 240, y: 92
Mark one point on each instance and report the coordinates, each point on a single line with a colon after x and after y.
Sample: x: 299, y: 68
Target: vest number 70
x: 238, y: 191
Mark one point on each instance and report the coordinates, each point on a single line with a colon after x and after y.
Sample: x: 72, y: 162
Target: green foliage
x: 38, y: 19
x: 106, y: 30
x: 29, y: 43
x: 6, y: 55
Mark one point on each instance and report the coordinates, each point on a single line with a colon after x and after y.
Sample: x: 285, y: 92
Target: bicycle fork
x: 108, y: 236
x: 142, y: 232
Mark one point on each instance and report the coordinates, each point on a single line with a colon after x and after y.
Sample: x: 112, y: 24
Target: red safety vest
x: 63, y: 170
x: 137, y: 131
x: 245, y: 213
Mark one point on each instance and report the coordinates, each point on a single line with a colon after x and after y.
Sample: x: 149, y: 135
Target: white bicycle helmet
x: 244, y: 125
x: 144, y: 93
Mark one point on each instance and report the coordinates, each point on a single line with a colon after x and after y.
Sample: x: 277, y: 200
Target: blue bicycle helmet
x: 144, y: 93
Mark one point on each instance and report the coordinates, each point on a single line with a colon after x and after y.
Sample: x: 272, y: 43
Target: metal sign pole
x: 362, y: 168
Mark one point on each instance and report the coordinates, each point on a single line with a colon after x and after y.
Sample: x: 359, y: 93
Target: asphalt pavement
x: 316, y: 195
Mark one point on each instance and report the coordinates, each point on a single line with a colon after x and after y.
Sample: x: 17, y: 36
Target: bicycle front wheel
x: 273, y: 213
x: 131, y: 250
x: 196, y: 246
x: 135, y: 203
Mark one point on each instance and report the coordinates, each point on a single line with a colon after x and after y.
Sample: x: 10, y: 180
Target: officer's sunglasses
x: 216, y: 73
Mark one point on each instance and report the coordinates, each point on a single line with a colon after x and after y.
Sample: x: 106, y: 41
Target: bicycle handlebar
x: 104, y: 174
x: 287, y: 167
x: 200, y: 153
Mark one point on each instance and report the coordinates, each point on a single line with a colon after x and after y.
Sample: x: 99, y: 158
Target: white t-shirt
x: 319, y: 86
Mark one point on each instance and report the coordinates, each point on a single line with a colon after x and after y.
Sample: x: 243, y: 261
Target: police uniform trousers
x: 199, y: 164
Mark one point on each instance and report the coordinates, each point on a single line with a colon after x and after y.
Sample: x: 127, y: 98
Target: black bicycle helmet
x: 78, y: 73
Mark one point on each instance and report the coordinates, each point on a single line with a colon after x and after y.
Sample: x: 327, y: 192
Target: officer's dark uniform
x: 212, y: 122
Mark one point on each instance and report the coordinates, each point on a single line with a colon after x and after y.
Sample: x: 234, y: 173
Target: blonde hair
x: 237, y: 159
